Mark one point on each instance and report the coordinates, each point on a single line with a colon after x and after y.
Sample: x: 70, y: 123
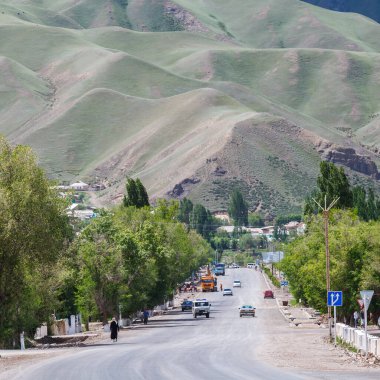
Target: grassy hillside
x: 207, y: 94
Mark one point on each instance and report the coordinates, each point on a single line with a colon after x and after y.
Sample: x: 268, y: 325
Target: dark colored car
x: 186, y: 305
x: 268, y: 294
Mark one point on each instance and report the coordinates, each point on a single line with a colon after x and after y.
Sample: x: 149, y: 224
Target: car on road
x: 227, y: 292
x: 268, y: 294
x: 186, y: 305
x: 201, y: 307
x: 235, y: 266
x: 237, y: 284
x: 247, y: 310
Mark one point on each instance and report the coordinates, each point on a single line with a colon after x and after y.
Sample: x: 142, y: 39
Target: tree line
x: 130, y: 257
x: 354, y: 241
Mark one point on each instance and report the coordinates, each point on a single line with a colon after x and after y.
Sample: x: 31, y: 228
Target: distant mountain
x: 195, y: 97
x: 369, y: 8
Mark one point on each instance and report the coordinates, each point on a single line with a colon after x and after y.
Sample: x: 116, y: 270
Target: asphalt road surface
x: 177, y: 346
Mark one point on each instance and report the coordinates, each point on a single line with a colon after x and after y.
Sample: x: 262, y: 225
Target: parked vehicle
x: 187, y: 305
x: 250, y: 265
x: 268, y: 294
x: 237, y: 284
x: 227, y: 292
x: 208, y: 282
x: 201, y: 307
x: 247, y: 310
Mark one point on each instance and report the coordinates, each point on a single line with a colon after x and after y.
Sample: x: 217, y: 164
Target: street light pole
x: 326, y: 211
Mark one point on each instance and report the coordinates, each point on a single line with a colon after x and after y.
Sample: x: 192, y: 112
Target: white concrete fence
x: 356, y: 338
x: 61, y: 327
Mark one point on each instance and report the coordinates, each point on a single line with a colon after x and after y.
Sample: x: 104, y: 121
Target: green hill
x: 201, y: 96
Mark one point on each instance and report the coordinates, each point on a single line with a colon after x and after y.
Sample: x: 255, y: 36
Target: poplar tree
x: 136, y: 194
x: 332, y: 183
x: 238, y: 208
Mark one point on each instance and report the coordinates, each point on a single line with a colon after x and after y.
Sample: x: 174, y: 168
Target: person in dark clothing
x: 146, y: 316
x: 114, y: 327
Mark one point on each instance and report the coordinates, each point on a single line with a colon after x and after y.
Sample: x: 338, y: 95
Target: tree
x: 143, y: 199
x: 354, y: 261
x: 255, y: 220
x: 238, y: 208
x: 135, y: 258
x: 220, y: 241
x: 247, y: 242
x: 33, y: 231
x: 360, y: 201
x: 136, y: 194
x: 366, y: 204
x: 332, y: 183
x: 185, y: 209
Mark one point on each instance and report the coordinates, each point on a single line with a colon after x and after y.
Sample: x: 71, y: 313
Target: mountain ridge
x: 219, y: 105
x: 369, y: 8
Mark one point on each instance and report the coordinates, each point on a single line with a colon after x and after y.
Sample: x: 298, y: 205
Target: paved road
x: 176, y: 346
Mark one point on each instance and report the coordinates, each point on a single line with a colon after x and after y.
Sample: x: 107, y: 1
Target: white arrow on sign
x: 367, y: 296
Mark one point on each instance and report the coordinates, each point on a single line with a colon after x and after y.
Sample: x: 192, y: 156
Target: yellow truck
x: 208, y: 282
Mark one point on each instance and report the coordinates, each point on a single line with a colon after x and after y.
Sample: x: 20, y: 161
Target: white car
x: 237, y: 284
x: 227, y: 292
x: 201, y: 307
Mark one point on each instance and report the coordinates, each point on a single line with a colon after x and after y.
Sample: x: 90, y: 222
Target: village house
x: 295, y: 227
x: 79, y: 186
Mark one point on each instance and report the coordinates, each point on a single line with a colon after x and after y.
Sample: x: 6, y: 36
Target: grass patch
x: 342, y: 343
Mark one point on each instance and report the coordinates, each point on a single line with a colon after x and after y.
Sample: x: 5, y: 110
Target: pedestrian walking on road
x: 114, y: 327
x: 221, y: 287
x: 146, y: 316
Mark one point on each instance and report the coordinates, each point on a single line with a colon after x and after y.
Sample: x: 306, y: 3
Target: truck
x: 220, y: 269
x: 208, y: 282
x: 201, y: 307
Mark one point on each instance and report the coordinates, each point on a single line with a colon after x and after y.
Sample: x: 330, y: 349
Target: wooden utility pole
x: 326, y: 211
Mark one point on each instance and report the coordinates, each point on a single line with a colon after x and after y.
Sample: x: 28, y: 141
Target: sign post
x: 335, y: 326
x: 366, y: 296
x: 334, y: 299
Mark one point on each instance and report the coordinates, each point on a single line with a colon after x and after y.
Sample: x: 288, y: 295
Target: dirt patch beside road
x: 13, y: 362
x: 305, y: 348
x: 305, y: 345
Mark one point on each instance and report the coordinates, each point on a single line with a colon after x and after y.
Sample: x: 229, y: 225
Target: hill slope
x: 194, y: 97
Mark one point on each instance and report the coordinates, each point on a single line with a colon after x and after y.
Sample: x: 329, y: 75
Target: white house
x: 80, y: 186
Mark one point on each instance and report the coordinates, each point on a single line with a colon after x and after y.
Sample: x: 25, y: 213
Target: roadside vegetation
x: 354, y: 242
x: 130, y: 257
x: 134, y: 255
x: 34, y: 235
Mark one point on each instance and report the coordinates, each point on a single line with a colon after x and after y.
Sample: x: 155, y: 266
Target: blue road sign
x: 335, y: 298
x: 284, y: 283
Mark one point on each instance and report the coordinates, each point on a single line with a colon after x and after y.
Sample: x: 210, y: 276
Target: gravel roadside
x: 301, y: 343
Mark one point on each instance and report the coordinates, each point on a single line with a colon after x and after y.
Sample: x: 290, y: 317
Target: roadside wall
x: 356, y: 338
